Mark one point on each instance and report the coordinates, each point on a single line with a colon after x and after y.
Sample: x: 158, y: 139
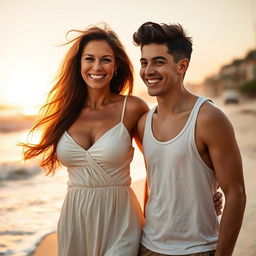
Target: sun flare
x: 30, y: 110
x: 27, y: 89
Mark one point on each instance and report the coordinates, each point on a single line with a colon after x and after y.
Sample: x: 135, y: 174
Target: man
x: 189, y: 146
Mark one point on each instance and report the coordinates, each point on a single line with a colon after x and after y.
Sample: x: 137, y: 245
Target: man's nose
x: 149, y: 70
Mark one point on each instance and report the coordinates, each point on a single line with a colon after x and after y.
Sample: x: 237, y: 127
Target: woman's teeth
x: 96, y: 76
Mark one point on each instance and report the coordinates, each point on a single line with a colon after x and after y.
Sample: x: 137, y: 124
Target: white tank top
x: 180, y: 215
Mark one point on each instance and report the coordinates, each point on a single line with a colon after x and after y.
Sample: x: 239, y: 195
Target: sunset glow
x: 29, y: 38
x: 30, y: 111
x: 26, y: 88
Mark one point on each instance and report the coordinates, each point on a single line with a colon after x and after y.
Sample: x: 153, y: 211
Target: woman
x: 88, y: 127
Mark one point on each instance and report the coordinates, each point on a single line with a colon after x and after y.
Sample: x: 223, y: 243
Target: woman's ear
x: 115, y: 73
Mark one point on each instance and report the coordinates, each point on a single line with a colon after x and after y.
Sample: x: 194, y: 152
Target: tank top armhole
x: 194, y: 115
x: 202, y: 100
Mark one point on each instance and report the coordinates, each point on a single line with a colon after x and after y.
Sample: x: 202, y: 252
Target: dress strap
x: 122, y: 117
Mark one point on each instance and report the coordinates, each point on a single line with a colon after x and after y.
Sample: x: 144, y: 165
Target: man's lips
x: 153, y: 81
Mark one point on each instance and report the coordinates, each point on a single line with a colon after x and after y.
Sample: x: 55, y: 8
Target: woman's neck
x: 96, y: 98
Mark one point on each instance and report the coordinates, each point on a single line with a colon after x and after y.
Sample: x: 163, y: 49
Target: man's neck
x: 174, y: 103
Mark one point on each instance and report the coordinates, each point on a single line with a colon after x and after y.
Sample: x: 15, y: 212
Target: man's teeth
x: 96, y: 76
x: 153, y: 81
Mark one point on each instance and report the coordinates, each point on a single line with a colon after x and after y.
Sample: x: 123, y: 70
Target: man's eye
x: 159, y: 62
x: 143, y: 64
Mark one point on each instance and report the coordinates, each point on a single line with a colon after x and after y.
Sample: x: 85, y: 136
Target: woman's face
x: 97, y: 64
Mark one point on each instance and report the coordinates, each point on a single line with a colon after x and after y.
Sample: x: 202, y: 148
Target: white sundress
x: 100, y: 215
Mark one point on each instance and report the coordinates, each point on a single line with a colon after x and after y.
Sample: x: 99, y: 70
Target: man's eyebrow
x: 155, y: 58
x: 159, y: 57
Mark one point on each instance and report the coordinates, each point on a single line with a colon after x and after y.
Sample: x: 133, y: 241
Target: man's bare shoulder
x: 210, y: 114
x: 212, y: 122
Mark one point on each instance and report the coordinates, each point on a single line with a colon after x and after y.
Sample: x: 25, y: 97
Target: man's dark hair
x: 178, y: 43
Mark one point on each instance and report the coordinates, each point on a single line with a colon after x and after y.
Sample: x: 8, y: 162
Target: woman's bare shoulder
x: 135, y: 103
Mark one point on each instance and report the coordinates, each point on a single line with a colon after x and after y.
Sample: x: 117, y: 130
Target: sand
x: 48, y: 246
x: 243, y: 118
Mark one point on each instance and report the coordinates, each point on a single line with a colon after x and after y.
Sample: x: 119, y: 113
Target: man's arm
x: 217, y: 133
x: 139, y: 138
x: 139, y: 131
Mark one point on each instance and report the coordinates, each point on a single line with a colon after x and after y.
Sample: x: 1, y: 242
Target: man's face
x: 158, y: 69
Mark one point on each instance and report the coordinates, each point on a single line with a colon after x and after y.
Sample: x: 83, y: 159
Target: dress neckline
x: 99, y: 139
x: 105, y: 133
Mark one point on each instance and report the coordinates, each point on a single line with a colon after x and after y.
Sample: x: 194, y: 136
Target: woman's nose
x: 97, y: 65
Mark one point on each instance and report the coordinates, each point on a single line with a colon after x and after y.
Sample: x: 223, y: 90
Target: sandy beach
x: 243, y: 118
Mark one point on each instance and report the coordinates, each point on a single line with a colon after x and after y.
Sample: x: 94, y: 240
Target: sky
x: 31, y: 31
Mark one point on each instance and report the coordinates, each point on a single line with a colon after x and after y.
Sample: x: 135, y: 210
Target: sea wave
x: 17, y: 171
x: 24, y: 243
x: 29, y: 209
x: 16, y: 122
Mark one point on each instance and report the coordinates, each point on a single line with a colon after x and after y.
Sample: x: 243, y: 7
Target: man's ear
x: 183, y: 65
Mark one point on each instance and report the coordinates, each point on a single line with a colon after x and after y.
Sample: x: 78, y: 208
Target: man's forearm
x: 231, y: 222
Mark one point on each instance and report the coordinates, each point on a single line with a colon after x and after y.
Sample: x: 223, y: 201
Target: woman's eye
x: 106, y: 60
x: 89, y: 59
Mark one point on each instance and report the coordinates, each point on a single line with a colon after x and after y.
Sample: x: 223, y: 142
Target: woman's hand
x: 217, y: 200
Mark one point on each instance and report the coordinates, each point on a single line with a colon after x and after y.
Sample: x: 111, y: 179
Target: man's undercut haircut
x: 178, y: 43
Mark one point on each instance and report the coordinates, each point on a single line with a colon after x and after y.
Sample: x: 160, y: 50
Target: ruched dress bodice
x: 100, y: 214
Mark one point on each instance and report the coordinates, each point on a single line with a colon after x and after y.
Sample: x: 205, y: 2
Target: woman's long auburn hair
x: 67, y: 97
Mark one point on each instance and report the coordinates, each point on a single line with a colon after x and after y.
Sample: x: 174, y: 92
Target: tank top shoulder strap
x: 123, y: 110
x: 147, y: 128
x: 149, y: 116
x: 200, y: 101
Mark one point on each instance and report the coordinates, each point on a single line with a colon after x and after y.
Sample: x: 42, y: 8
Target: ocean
x: 30, y: 202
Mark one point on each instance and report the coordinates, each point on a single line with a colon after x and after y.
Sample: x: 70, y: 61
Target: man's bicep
x: 140, y: 128
x: 224, y: 153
